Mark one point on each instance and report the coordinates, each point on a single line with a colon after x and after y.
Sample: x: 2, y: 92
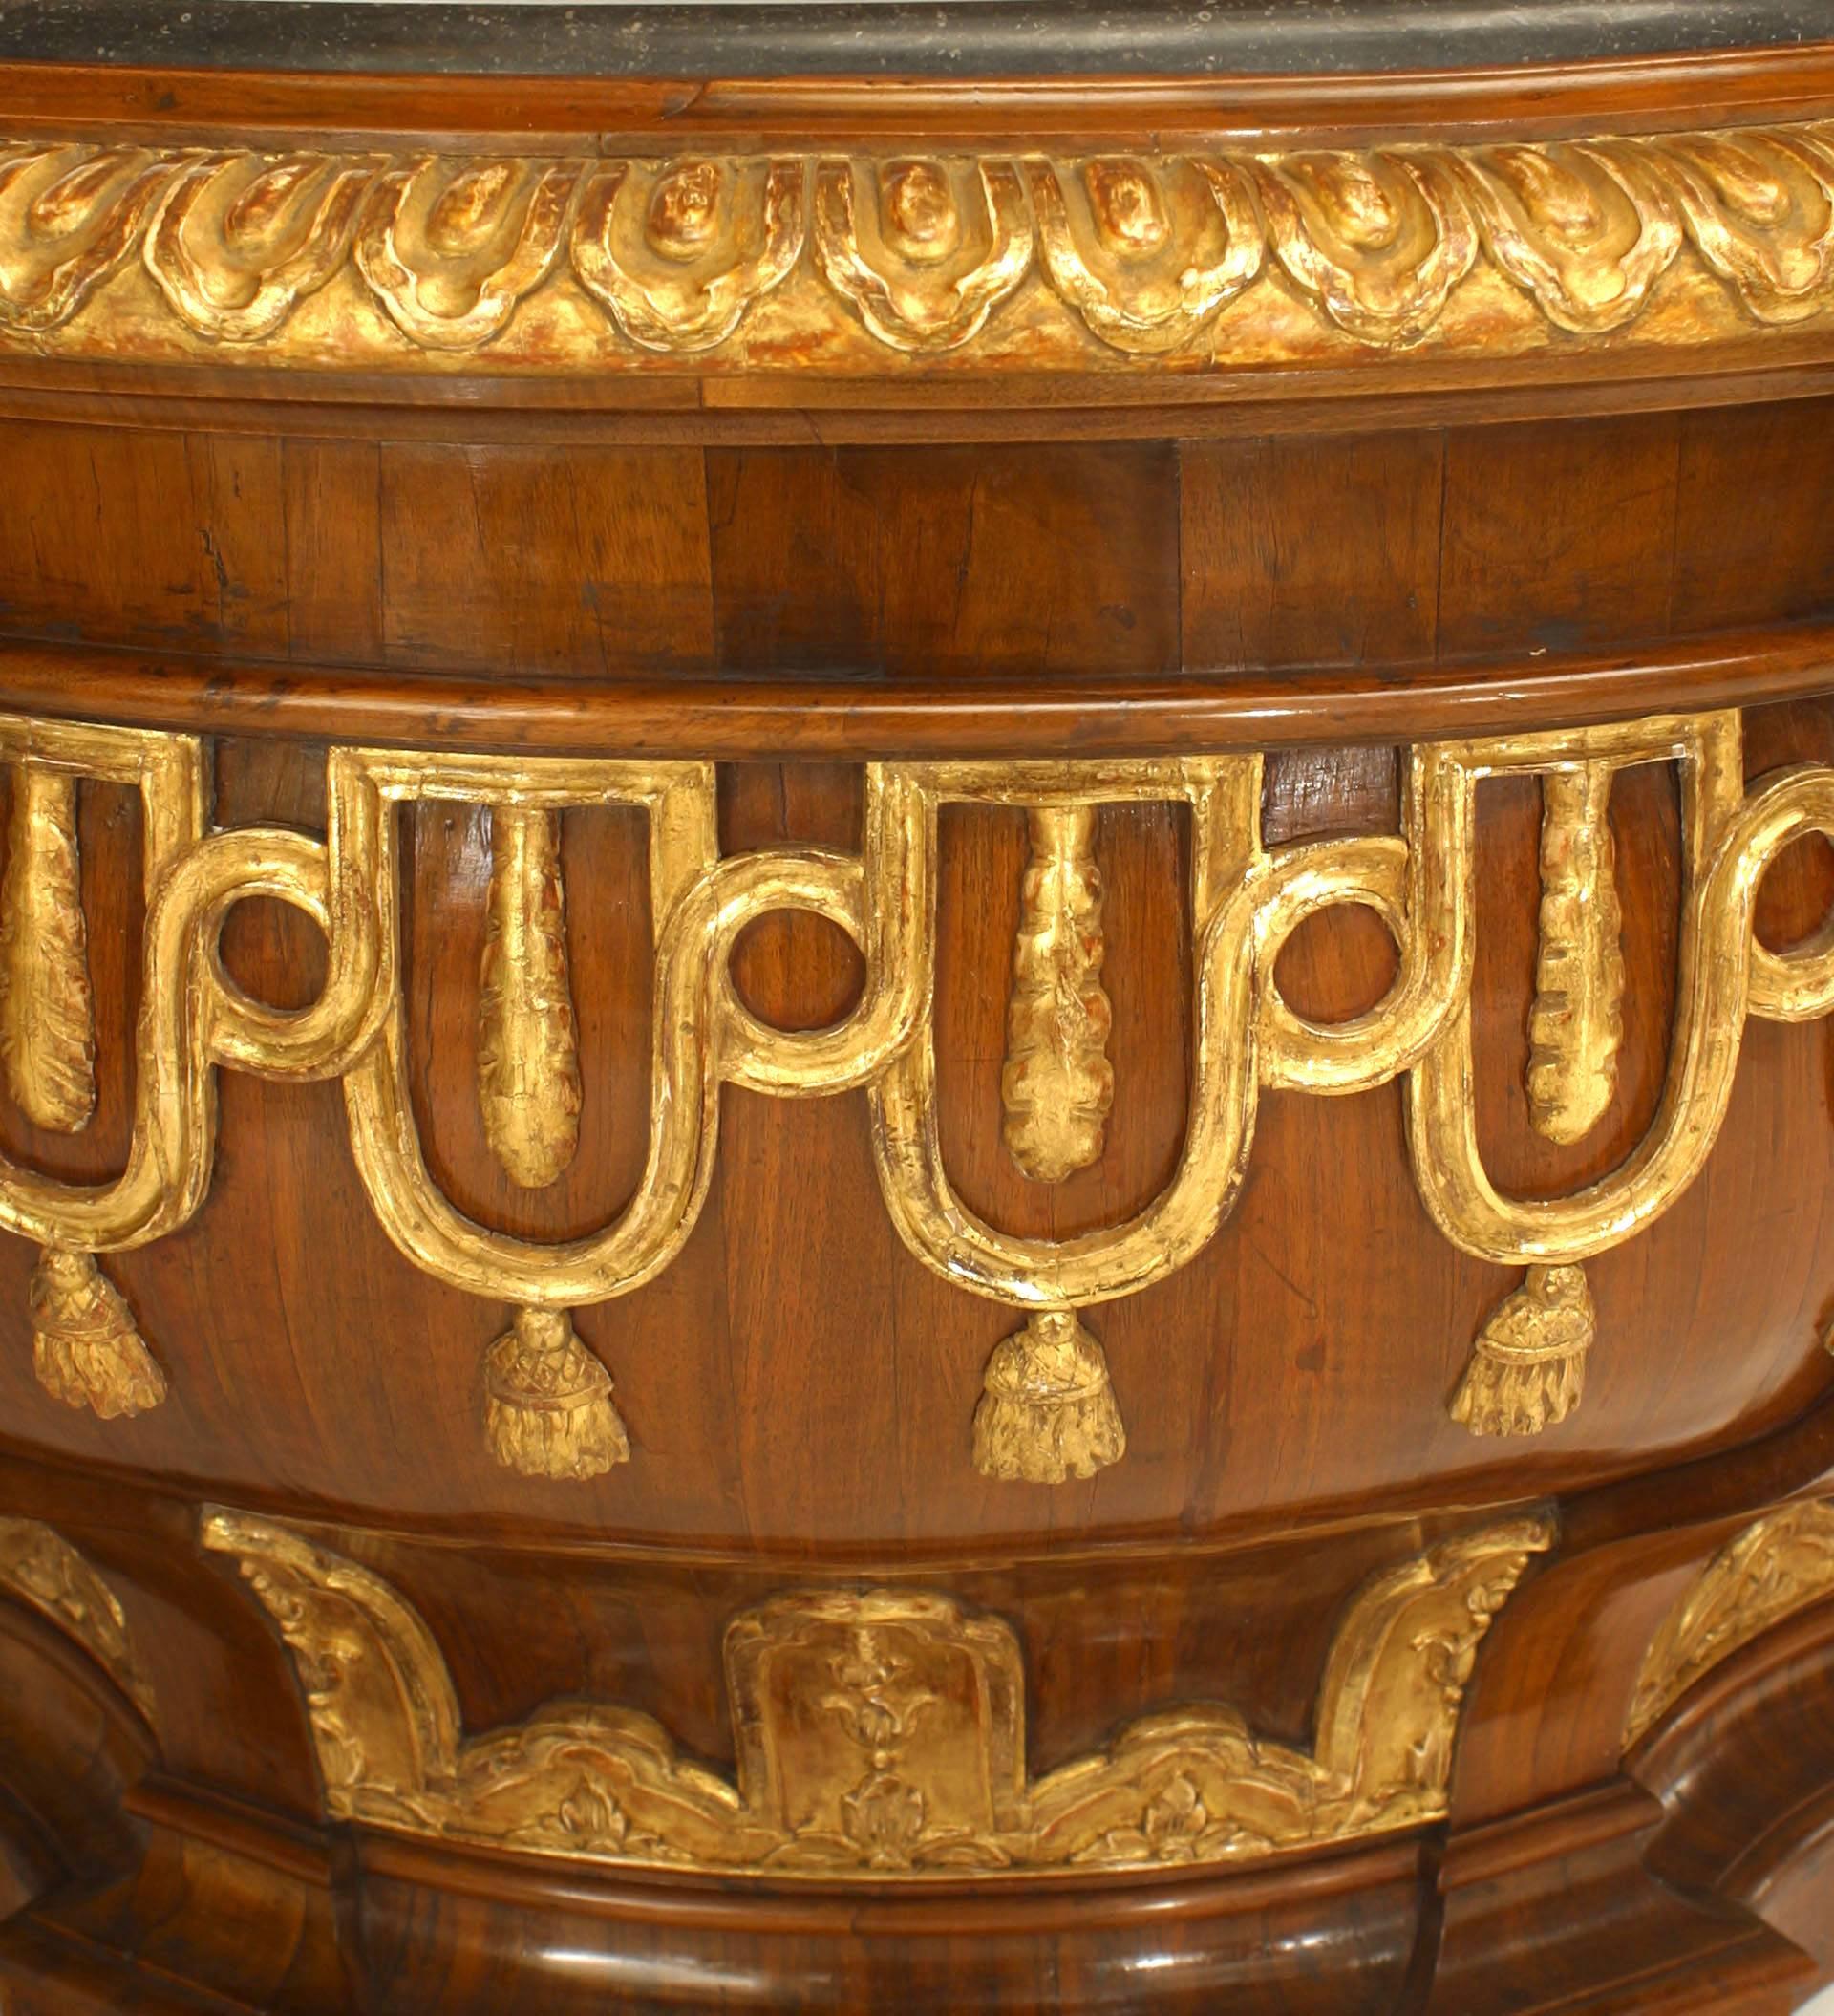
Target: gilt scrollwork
x: 1047, y: 1414
x: 879, y: 1733
x: 1207, y: 258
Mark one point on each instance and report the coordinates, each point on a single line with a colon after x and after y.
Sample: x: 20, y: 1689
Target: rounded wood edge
x: 1216, y: 710
x: 1657, y: 91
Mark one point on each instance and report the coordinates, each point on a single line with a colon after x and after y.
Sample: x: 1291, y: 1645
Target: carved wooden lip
x: 788, y: 716
x: 1205, y: 263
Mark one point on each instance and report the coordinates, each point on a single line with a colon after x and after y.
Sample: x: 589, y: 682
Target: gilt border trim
x: 852, y: 263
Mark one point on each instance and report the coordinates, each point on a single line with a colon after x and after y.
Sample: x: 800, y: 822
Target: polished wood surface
x: 1335, y: 574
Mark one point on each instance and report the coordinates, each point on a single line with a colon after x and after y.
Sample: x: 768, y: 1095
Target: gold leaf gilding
x: 1058, y: 1083
x: 1576, y: 1024
x: 857, y: 260
x: 47, y: 1015
x: 1242, y: 902
x: 41, y: 1568
x: 528, y: 1067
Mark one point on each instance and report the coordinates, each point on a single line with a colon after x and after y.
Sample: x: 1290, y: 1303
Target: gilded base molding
x: 880, y: 1734
x: 1775, y: 1566
x: 855, y: 262
x: 39, y: 1567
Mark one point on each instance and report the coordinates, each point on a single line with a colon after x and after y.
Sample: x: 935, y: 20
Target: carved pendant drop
x: 1058, y: 1083
x: 1048, y: 1412
x: 1529, y: 1368
x: 1576, y: 1025
x: 85, y: 1347
x: 548, y: 1410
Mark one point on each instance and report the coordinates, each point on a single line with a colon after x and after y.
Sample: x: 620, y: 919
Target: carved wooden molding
x: 860, y: 261
x: 1049, y: 1411
x: 880, y: 1734
x: 1777, y: 1565
x: 41, y: 1568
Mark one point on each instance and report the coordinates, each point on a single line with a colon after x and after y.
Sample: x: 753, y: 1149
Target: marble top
x: 885, y: 38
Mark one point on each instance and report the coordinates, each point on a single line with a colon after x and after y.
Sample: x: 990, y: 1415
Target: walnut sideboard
x: 916, y: 1007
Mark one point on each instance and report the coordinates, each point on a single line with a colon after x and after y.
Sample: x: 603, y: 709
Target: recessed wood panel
x: 164, y: 539
x: 946, y: 559
x: 515, y: 561
x: 1558, y: 539
x: 1755, y: 502
x: 1320, y: 551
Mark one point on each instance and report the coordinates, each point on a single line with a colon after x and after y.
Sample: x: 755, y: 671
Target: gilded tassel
x: 548, y: 1410
x: 85, y: 1348
x: 1057, y: 1084
x: 46, y: 1019
x: 528, y: 1065
x: 1529, y: 1368
x: 1576, y: 1025
x: 1048, y: 1409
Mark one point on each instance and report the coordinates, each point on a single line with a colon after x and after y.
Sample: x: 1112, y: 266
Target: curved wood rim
x: 1653, y: 94
x: 865, y: 718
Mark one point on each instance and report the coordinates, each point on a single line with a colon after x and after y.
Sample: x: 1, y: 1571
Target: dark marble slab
x: 887, y: 37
